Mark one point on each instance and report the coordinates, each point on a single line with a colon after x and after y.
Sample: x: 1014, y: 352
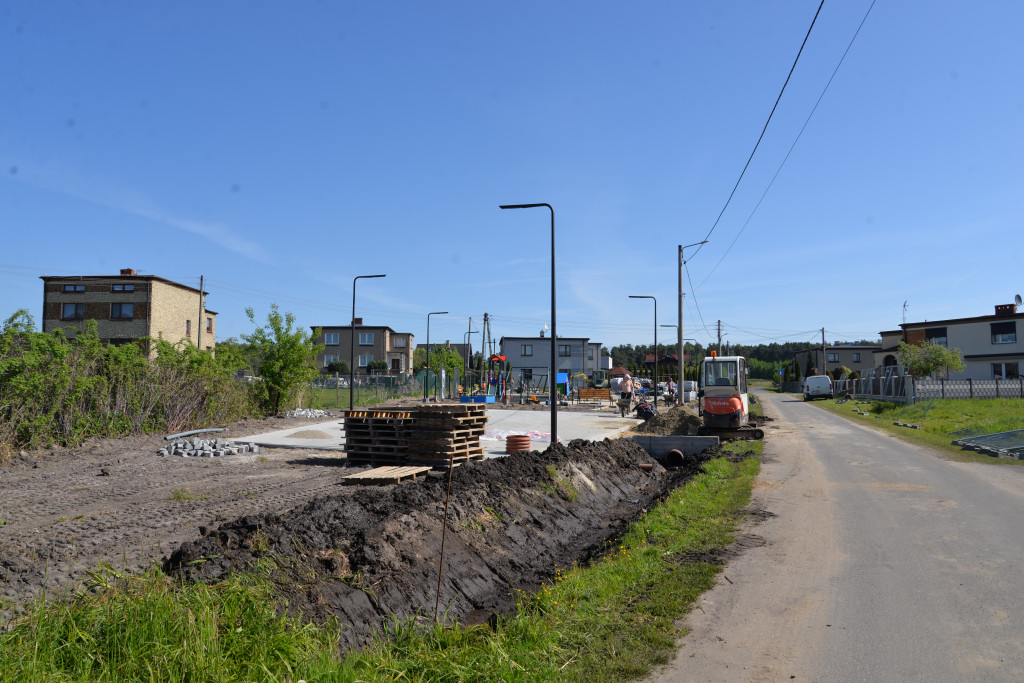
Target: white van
x: 817, y: 386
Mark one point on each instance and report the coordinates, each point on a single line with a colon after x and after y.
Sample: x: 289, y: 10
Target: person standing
x: 626, y: 388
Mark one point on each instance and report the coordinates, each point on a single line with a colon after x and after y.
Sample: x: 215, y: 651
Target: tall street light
x: 648, y: 296
x: 553, y: 396
x: 680, y: 342
x: 426, y: 373
x: 352, y: 344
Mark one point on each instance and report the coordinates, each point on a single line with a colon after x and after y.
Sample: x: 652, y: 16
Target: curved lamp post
x: 647, y: 296
x: 553, y: 396
x: 426, y: 373
x: 352, y: 344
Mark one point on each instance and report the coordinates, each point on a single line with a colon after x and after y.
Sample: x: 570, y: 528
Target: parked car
x: 818, y: 386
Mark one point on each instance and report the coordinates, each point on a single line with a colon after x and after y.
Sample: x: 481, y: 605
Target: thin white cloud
x: 72, y: 184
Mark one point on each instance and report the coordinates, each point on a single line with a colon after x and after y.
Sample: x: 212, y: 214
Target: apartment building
x: 128, y: 307
x: 855, y: 356
x: 372, y: 343
x: 992, y: 345
x: 530, y: 357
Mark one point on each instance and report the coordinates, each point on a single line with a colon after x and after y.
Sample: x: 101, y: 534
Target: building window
x: 1005, y: 371
x: 188, y: 329
x: 74, y: 288
x: 121, y: 311
x: 366, y: 338
x: 528, y: 375
x: 856, y: 357
x: 399, y: 342
x: 122, y: 288
x: 209, y: 324
x: 72, y: 312
x: 590, y: 354
x: 1004, y: 333
x: 564, y: 350
x: 331, y: 338
x: 527, y: 350
x: 935, y: 335
x: 365, y: 360
x: 328, y: 359
x: 833, y: 358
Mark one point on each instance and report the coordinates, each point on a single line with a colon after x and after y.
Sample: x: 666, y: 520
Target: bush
x: 60, y: 390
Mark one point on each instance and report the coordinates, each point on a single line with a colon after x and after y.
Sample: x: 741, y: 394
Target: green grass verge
x: 944, y: 416
x: 611, y: 621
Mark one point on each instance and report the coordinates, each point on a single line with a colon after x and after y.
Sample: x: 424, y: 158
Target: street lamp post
x: 352, y: 344
x: 553, y: 396
x: 648, y: 296
x: 680, y: 342
x: 426, y: 373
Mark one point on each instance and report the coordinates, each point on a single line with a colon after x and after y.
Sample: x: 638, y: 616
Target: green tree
x: 922, y: 361
x: 337, y: 366
x: 377, y: 367
x: 286, y: 358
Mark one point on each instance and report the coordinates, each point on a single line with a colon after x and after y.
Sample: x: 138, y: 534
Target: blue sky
x: 280, y: 149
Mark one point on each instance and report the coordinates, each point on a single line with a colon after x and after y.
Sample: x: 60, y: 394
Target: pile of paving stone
x: 207, y: 448
x: 308, y: 412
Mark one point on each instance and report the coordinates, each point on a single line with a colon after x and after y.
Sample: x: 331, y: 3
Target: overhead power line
x: 760, y: 137
x: 791, y: 147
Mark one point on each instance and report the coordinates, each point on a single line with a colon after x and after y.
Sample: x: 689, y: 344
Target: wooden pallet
x: 386, y: 475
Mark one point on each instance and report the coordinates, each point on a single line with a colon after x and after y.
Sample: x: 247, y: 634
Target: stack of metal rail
x: 1000, y: 444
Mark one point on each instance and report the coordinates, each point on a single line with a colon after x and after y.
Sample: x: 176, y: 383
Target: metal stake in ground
x: 444, y: 533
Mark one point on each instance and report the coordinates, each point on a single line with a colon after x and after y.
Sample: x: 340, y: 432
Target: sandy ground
x: 789, y: 557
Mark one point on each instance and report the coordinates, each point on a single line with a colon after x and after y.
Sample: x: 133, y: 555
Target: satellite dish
x: 548, y: 327
x: 1016, y: 299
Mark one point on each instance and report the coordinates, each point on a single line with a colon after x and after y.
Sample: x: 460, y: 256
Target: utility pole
x: 680, y: 345
x: 824, y: 358
x: 469, y: 353
x: 199, y: 323
x: 719, y: 337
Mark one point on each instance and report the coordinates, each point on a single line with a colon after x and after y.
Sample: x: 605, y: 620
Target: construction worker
x: 626, y: 388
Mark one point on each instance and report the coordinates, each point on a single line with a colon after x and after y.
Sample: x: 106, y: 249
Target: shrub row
x: 61, y: 390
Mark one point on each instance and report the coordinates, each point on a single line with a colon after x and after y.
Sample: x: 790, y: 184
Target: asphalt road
x: 882, y: 562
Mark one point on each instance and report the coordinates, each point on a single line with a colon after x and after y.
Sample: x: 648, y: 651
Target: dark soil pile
x: 369, y: 552
x: 680, y: 420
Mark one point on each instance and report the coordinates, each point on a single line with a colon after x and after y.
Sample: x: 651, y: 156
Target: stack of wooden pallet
x: 425, y: 435
x: 378, y: 437
x: 447, y: 432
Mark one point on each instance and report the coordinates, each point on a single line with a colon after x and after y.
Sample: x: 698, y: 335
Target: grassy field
x: 610, y: 621
x: 937, y: 420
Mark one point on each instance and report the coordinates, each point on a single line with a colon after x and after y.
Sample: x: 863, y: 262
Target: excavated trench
x: 369, y: 552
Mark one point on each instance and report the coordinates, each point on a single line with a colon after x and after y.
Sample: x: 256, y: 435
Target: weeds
x: 186, y: 496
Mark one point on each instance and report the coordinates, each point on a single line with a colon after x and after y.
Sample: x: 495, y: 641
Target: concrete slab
x: 293, y: 438
x: 591, y: 425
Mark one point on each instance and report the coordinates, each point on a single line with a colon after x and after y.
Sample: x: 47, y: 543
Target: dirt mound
x: 366, y: 552
x: 680, y: 420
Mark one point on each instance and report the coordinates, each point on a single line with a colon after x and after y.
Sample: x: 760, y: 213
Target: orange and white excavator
x: 722, y: 398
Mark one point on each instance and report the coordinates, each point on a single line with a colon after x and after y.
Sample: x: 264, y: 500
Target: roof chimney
x: 357, y: 321
x: 127, y: 271
x: 1006, y: 309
